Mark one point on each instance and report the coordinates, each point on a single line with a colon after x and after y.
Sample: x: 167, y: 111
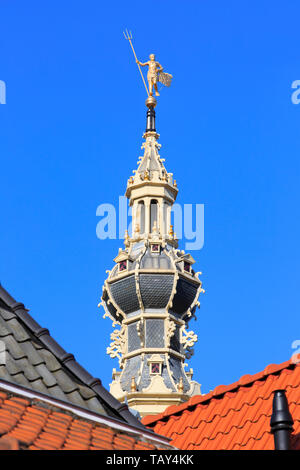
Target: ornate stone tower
x: 152, y: 292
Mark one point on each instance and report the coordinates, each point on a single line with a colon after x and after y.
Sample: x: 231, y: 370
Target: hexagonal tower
x: 152, y: 293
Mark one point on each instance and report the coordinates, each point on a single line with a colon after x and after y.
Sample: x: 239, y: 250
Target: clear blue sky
x: 70, y: 135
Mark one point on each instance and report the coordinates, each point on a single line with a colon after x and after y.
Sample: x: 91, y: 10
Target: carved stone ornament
x: 170, y: 330
x: 141, y: 331
x: 189, y: 338
x: 118, y: 345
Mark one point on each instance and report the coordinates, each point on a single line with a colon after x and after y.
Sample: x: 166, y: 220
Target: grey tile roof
x: 36, y: 361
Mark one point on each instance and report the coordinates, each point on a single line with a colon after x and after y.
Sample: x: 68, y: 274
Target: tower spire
x: 151, y: 190
x: 152, y: 291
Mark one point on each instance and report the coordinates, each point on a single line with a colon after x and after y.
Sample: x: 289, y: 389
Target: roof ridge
x: 219, y: 391
x: 68, y: 360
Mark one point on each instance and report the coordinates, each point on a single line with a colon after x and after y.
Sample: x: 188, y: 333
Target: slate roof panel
x: 35, y: 353
x: 50, y: 360
x: 6, y: 312
x: 35, y: 360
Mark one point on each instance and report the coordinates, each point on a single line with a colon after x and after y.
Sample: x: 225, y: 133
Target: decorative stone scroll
x: 189, y: 338
x: 170, y: 330
x: 140, y: 326
x: 117, y: 347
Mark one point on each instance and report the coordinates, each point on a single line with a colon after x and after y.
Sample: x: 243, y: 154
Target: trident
x: 128, y: 36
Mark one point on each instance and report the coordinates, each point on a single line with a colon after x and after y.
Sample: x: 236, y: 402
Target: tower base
x: 155, y: 398
x: 150, y: 404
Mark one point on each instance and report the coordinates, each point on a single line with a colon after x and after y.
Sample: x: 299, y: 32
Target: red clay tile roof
x: 34, y: 424
x: 232, y: 417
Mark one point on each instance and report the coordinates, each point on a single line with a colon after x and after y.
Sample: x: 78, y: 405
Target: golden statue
x: 155, y: 71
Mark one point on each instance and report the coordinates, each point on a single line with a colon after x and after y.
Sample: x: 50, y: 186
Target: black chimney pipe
x: 281, y: 421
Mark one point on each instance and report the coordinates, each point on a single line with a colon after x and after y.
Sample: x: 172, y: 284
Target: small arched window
x: 153, y: 214
x: 141, y: 216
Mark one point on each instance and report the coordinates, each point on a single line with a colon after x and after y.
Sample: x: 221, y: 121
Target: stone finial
x: 126, y: 238
x: 180, y: 385
x: 133, y: 385
x: 154, y: 228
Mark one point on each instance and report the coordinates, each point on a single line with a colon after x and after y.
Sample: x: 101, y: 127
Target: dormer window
x: 185, y: 262
x: 155, y: 247
x: 155, y: 364
x: 123, y: 260
x: 187, y: 267
x: 123, y: 266
x: 155, y: 368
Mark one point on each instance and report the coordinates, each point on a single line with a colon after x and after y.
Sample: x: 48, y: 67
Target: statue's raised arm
x: 142, y: 63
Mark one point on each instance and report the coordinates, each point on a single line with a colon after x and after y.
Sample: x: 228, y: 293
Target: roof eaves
x: 68, y: 360
x: 83, y: 413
